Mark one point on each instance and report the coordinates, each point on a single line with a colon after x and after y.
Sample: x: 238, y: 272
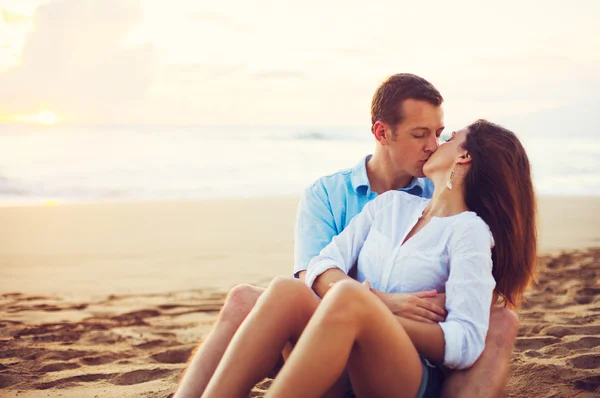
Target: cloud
x: 540, y: 79
x: 218, y: 19
x: 354, y: 52
x: 76, y: 61
x: 278, y: 74
x: 196, y: 72
x: 11, y: 18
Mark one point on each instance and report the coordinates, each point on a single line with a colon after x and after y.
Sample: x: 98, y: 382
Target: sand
x: 109, y: 300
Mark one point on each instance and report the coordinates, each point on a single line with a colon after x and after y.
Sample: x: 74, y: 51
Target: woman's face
x: 446, y: 155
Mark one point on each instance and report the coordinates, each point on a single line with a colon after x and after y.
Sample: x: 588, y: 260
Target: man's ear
x: 381, y: 132
x: 464, y: 158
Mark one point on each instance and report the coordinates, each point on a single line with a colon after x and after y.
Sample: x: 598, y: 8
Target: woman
x: 475, y: 240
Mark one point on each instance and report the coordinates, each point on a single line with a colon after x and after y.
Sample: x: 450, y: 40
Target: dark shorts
x: 431, y: 383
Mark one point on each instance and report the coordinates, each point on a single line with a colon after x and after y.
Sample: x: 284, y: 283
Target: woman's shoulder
x: 468, y: 225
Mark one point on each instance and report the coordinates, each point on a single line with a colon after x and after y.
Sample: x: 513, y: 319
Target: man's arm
x: 315, y: 227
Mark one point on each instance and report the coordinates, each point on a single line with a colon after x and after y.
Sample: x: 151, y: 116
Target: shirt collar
x: 360, y: 180
x: 359, y: 176
x: 415, y: 187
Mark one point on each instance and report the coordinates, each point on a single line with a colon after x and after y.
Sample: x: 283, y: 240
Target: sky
x: 308, y: 62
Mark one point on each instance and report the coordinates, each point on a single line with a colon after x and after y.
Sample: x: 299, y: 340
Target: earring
x: 449, y: 183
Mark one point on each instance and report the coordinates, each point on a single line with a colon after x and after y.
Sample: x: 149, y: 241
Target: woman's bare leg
x: 279, y: 316
x: 351, y: 327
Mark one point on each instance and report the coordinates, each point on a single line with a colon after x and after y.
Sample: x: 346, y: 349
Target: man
x: 407, y: 120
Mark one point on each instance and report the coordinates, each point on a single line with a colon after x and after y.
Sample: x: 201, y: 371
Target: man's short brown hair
x: 395, y: 90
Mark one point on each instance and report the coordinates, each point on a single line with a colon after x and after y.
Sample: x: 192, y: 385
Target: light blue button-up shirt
x: 328, y: 205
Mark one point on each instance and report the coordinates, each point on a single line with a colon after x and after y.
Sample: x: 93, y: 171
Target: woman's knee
x: 290, y: 296
x: 240, y: 301
x: 347, y: 298
x: 345, y: 288
x: 288, y: 289
x: 286, y: 284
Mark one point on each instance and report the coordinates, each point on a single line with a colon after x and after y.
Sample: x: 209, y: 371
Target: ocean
x: 127, y: 163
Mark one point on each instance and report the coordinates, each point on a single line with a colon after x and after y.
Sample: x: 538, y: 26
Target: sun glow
x: 44, y: 116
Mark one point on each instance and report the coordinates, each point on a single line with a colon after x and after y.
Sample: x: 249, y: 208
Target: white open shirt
x: 449, y: 254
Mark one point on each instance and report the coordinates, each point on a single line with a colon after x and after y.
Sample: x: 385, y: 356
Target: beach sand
x: 109, y: 300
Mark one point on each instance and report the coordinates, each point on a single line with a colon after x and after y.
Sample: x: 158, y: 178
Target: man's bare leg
x: 238, y: 305
x: 488, y: 377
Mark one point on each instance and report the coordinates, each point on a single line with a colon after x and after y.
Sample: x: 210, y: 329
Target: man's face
x: 416, y: 137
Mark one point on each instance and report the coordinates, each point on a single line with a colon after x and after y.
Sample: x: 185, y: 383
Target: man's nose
x: 432, y: 144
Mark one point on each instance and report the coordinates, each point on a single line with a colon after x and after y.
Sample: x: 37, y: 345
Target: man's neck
x: 382, y: 176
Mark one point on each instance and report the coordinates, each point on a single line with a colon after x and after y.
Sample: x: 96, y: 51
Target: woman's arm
x: 324, y: 281
x: 428, y: 338
x: 469, y: 291
x: 344, y: 248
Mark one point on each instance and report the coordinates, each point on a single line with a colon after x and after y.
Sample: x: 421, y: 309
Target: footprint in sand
x: 562, y: 331
x: 74, y: 379
x: 136, y: 315
x: 586, y: 361
x: 149, y: 345
x: 184, y: 309
x: 20, y: 353
x: 65, y: 355
x: 177, y: 355
x: 120, y: 379
x: 142, y: 376
x: 533, y: 354
x: 58, y: 366
x: 9, y: 380
x: 534, y: 343
x: 558, y: 352
x: 591, y: 384
x: 584, y: 342
x: 104, y: 358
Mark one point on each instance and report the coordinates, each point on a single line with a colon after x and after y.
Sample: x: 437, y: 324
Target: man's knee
x: 240, y: 301
x: 504, y: 327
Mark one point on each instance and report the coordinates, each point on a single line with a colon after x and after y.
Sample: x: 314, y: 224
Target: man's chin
x: 419, y: 172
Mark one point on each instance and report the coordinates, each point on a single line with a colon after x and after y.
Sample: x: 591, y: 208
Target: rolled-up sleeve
x: 315, y: 226
x: 469, y: 291
x: 344, y: 248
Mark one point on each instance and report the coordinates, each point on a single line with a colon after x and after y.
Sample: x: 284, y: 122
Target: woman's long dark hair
x: 499, y: 189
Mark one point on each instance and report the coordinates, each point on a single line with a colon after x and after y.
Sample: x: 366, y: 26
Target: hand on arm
x: 421, y: 306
